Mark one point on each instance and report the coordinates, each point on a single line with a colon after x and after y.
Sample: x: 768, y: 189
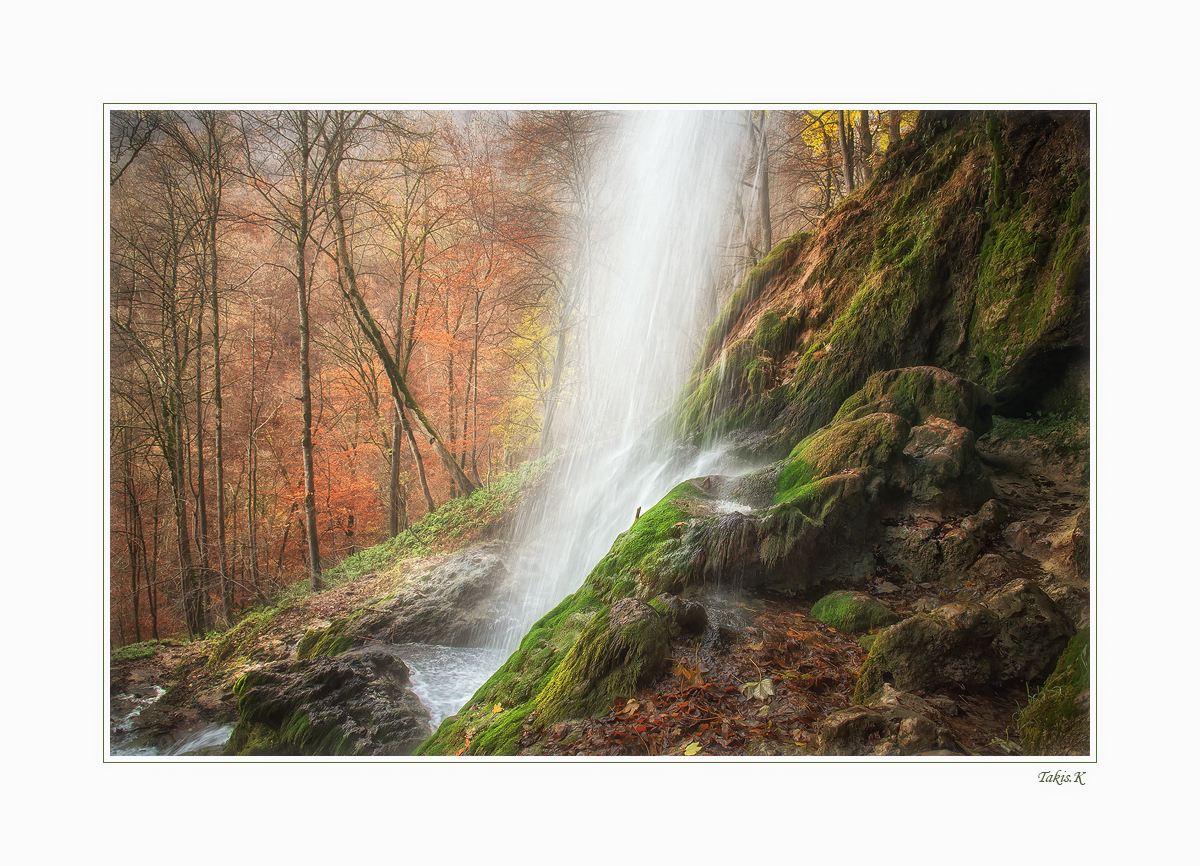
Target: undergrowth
x: 1066, y: 433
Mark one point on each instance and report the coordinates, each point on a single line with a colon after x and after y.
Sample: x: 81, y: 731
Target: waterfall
x: 660, y: 207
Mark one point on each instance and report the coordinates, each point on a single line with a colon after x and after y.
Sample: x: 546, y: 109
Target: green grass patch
x: 1050, y: 724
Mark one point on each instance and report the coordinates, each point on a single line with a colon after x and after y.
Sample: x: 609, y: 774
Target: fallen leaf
x: 761, y: 689
x: 692, y: 748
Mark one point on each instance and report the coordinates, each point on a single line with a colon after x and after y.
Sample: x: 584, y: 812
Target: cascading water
x: 660, y: 209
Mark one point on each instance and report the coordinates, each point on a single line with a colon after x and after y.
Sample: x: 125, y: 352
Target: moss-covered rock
x: 919, y: 394
x: 949, y: 645
x: 355, y: 704
x: 624, y: 646
x: 851, y: 611
x: 331, y: 640
x: 1057, y: 720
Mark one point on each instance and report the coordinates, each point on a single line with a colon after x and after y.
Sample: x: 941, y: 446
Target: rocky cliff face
x: 969, y: 252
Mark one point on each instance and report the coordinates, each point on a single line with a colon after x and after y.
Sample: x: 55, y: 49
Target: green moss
x: 479, y: 729
x: 851, y: 611
x: 651, y: 556
x: 331, y: 640
x: 608, y: 661
x: 865, y: 442
x: 241, y: 641
x: 1050, y: 724
x: 143, y: 650
x: 918, y: 394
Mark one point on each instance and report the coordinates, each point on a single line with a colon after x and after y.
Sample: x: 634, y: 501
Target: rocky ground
x: 761, y: 678
x: 766, y: 674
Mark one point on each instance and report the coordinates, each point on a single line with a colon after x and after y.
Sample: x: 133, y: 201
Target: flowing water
x: 657, y: 230
x: 655, y: 237
x: 650, y: 295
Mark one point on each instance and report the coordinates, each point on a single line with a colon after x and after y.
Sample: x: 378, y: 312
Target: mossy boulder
x: 838, y: 483
x: 1016, y: 634
x: 851, y: 611
x: 355, y: 704
x: 950, y: 645
x: 919, y: 394
x: 624, y: 647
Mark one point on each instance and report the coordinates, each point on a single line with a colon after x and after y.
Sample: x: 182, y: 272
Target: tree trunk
x: 422, y: 479
x: 846, y: 140
x: 893, y: 128
x: 306, y: 444
x: 866, y: 143
x: 348, y: 281
x: 764, y: 197
x: 394, y: 498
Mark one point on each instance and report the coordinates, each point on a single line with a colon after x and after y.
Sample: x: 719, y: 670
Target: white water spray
x: 661, y: 208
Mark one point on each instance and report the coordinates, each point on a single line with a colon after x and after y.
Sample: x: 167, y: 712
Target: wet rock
x: 452, y: 604
x: 1032, y: 631
x: 624, y: 647
x: 683, y: 615
x: 357, y: 703
x: 851, y: 611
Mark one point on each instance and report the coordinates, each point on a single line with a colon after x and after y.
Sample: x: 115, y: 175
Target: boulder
x: 851, y: 611
x: 625, y: 646
x: 682, y: 615
x: 920, y: 393
x: 454, y: 603
x: 1032, y: 633
x: 1017, y: 633
x: 894, y: 723
x: 952, y: 644
x: 870, y: 462
x: 353, y: 704
x: 942, y: 475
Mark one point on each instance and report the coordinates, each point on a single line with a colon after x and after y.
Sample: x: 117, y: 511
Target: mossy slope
x: 969, y: 251
x: 574, y: 661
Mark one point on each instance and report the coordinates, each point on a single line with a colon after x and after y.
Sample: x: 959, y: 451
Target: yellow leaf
x: 691, y: 748
x: 497, y: 709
